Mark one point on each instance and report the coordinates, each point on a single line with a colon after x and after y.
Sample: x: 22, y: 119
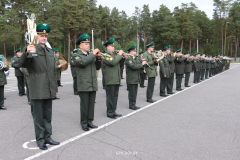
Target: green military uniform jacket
x: 26, y: 75
x: 42, y: 77
x: 149, y: 59
x: 86, y: 66
x: 133, y: 69
x: 3, y: 79
x: 73, y: 68
x: 57, y: 69
x: 196, y: 64
x: 180, y: 65
x: 111, y: 69
x: 15, y: 65
x: 188, y: 65
x: 171, y: 62
x: 122, y: 62
x: 164, y: 68
x: 207, y: 63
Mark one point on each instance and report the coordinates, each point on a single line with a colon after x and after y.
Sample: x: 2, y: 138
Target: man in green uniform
x: 196, y: 67
x: 74, y: 74
x: 3, y: 81
x: 142, y: 72
x: 112, y: 76
x: 18, y: 72
x: 188, y: 67
x: 207, y: 61
x: 203, y: 66
x: 42, y: 85
x: 171, y: 58
x: 133, y: 68
x: 86, y: 65
x: 179, y: 68
x: 122, y: 66
x: 152, y: 74
x: 164, y: 72
x: 58, y: 71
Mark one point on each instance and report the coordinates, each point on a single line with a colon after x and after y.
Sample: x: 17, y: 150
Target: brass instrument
x: 3, y: 61
x: 106, y: 56
x: 158, y: 55
x: 129, y: 55
x: 62, y: 61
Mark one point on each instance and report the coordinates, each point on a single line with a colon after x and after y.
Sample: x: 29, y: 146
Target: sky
x: 129, y: 5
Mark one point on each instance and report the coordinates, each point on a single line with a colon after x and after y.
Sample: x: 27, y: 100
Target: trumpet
x: 106, y: 56
x: 129, y: 55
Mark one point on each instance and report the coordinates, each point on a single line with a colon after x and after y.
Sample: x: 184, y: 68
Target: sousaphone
x: 62, y: 61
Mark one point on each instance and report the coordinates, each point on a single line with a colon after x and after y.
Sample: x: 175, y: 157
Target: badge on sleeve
x: 77, y: 57
x: 130, y: 61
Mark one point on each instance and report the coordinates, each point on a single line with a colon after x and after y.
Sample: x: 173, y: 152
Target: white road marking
x: 25, y: 145
x: 114, y: 121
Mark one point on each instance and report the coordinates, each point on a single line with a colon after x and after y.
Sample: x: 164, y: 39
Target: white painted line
x: 114, y: 121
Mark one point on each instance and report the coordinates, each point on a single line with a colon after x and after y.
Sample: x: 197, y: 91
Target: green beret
x: 54, y: 49
x: 150, y: 44
x: 141, y: 52
x: 57, y: 51
x: 109, y: 42
x: 186, y: 52
x: 43, y: 28
x: 164, y: 49
x: 18, y: 50
x: 84, y: 38
x: 132, y: 48
x: 169, y: 46
x: 178, y: 50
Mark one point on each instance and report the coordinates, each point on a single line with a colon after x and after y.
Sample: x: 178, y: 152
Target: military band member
x: 86, y: 65
x: 164, y: 72
x: 133, y: 69
x: 3, y: 82
x: 74, y: 74
x: 58, y: 71
x: 179, y: 68
x: 42, y: 85
x: 188, y: 67
x: 171, y: 58
x: 207, y: 66
x: 150, y: 73
x: 112, y: 76
x: 203, y: 66
x: 142, y: 72
x: 196, y: 67
x: 18, y: 72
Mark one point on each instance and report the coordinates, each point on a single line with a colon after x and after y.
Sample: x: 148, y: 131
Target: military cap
x: 132, y: 48
x: 141, y: 52
x: 57, y: 51
x: 164, y: 49
x: 84, y: 38
x: 54, y: 49
x: 197, y: 53
x: 18, y: 50
x: 169, y: 46
x: 186, y: 52
x: 150, y: 44
x: 43, y: 28
x: 109, y: 42
x: 178, y: 50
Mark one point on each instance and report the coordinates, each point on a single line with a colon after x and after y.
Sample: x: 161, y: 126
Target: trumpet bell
x: 62, y: 61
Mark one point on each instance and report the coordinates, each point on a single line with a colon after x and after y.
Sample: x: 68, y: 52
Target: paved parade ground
x: 201, y: 122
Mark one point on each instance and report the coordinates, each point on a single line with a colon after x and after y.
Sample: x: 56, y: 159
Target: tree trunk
x: 225, y: 38
x: 190, y: 47
x: 231, y: 47
x: 222, y: 35
x: 144, y: 43
x: 182, y: 44
x: 64, y: 43
x: 228, y: 48
x: 194, y: 43
x: 105, y: 32
x: 75, y: 38
x: 69, y: 30
x: 236, y: 47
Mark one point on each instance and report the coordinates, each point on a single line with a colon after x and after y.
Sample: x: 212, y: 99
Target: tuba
x: 3, y: 61
x: 62, y: 61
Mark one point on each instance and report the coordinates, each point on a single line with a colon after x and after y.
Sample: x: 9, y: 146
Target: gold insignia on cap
x: 44, y: 31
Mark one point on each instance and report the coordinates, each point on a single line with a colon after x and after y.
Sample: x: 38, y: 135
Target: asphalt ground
x: 201, y: 122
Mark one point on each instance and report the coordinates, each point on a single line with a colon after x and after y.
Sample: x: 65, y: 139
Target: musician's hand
x: 120, y: 52
x: 144, y: 62
x: 59, y: 66
x: 174, y: 54
x: 99, y: 55
x: 5, y: 66
x: 31, y: 48
x: 155, y: 61
x: 95, y: 51
x: 165, y: 76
